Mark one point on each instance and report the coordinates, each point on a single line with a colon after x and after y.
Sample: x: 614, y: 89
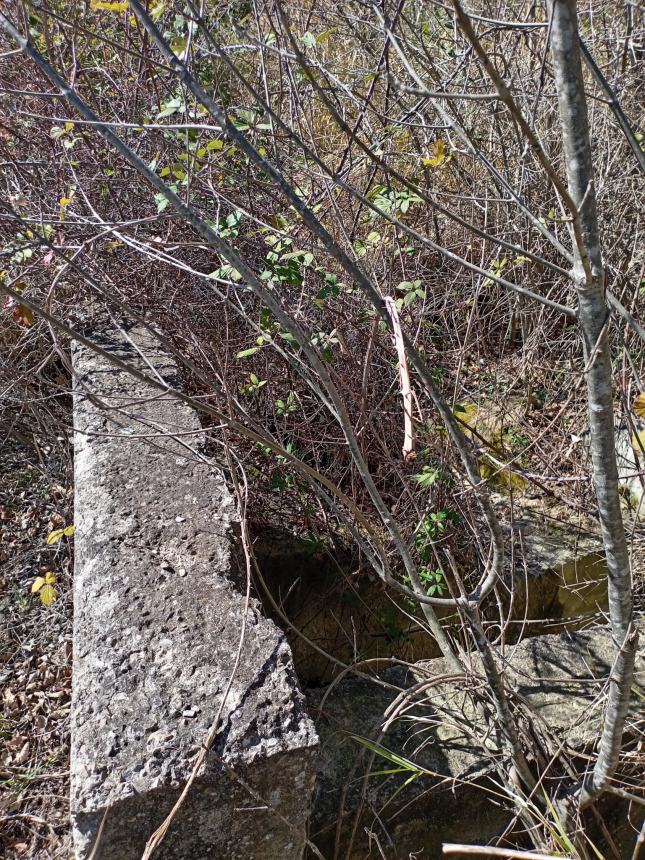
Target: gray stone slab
x: 159, y: 604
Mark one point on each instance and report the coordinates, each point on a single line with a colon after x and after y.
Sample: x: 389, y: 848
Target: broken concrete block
x: 437, y: 786
x: 159, y: 606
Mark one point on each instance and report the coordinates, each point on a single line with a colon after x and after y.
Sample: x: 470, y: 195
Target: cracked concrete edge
x: 561, y: 677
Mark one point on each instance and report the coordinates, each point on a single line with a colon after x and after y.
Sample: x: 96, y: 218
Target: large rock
x: 430, y: 782
x: 559, y: 564
x: 159, y: 608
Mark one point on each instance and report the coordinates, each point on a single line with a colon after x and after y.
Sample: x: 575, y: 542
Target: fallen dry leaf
x: 23, y: 315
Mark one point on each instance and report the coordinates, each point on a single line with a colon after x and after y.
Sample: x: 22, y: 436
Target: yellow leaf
x: 68, y: 531
x: 178, y: 45
x: 157, y: 10
x: 467, y: 413
x: 639, y: 405
x: 65, y: 201
x: 55, y: 536
x: 108, y: 6
x: 50, y: 578
x: 47, y: 595
x: 438, y: 154
x: 38, y: 583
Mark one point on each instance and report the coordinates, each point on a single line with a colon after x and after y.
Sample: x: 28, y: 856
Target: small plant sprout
x: 253, y: 385
x: 288, y: 406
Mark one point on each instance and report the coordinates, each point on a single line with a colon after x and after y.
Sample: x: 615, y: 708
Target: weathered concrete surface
x: 559, y: 553
x: 629, y: 454
x: 561, y: 677
x: 159, y: 606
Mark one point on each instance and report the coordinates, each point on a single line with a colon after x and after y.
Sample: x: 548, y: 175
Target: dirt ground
x: 36, y: 498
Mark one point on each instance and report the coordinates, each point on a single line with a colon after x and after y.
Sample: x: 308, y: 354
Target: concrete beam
x: 159, y: 604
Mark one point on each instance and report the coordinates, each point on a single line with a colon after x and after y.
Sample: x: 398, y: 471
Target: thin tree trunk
x: 593, y: 318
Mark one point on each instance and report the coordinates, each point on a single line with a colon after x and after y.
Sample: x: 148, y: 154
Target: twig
x: 404, y: 376
x: 450, y: 848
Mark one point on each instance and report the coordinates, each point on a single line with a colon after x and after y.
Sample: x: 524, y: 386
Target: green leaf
x: 289, y: 338
x: 309, y: 40
x: 245, y: 353
x: 403, y: 763
x: 426, y: 478
x: 409, y: 298
x: 175, y: 105
x: 162, y: 202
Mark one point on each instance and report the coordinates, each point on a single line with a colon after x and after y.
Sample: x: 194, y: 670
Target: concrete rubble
x: 438, y: 736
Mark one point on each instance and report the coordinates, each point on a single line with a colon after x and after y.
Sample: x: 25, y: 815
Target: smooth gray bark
x: 593, y: 317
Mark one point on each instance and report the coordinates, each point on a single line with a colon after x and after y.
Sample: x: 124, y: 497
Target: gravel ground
x: 36, y: 497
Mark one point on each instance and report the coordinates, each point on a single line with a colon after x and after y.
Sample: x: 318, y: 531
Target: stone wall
x: 440, y: 787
